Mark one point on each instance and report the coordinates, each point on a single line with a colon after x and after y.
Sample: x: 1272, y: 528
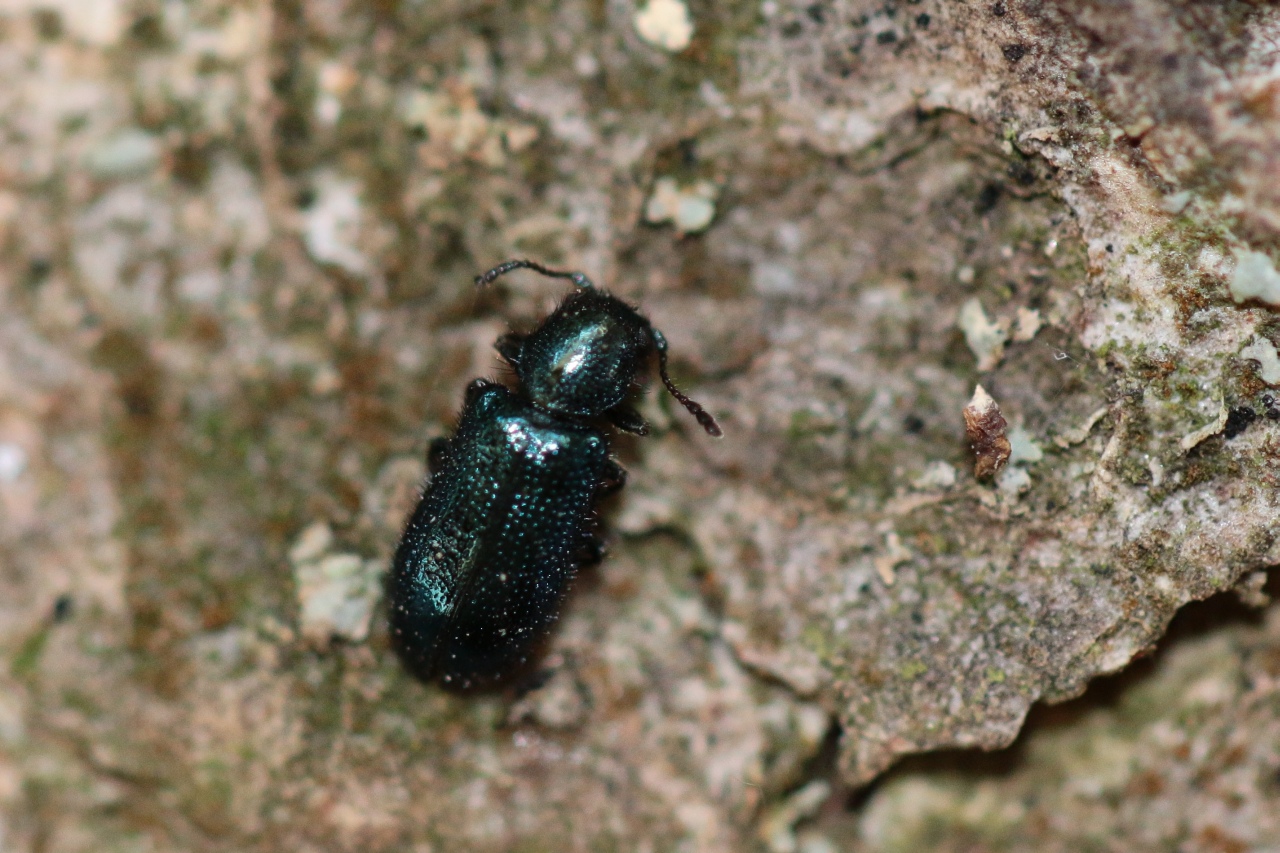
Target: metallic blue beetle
x: 490, y: 551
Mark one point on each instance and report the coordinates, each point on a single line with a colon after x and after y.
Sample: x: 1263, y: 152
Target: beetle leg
x: 508, y: 346
x: 627, y: 419
x: 437, y: 452
x: 532, y: 681
x: 474, y: 389
x: 613, y: 478
x: 593, y: 550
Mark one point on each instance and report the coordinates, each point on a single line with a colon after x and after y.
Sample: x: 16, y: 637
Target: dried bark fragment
x: 985, y: 427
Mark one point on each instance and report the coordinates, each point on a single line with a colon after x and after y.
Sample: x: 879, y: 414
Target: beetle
x: 509, y: 514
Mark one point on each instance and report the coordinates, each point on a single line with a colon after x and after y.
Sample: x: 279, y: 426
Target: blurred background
x: 237, y: 243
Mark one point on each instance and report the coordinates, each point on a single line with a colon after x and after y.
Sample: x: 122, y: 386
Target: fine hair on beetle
x: 509, y: 514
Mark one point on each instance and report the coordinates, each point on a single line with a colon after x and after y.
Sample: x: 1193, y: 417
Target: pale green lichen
x: 689, y: 208
x: 665, y: 24
x: 1255, y: 277
x: 986, y: 339
x: 1023, y: 447
x: 1263, y: 351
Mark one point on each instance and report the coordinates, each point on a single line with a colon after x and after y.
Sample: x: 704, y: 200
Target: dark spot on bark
x: 1014, y: 52
x: 988, y: 198
x: 1022, y: 173
x: 48, y: 24
x: 38, y: 269
x: 147, y: 31
x: 687, y: 151
x: 63, y: 607
x: 190, y: 164
x: 1238, y: 420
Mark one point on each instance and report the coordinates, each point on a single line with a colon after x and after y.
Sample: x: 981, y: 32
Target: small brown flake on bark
x: 985, y: 427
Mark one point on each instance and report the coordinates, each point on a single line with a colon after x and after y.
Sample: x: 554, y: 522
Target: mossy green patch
x: 27, y: 658
x: 911, y: 670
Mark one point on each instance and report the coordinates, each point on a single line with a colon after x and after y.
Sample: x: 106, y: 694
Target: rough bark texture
x: 236, y: 249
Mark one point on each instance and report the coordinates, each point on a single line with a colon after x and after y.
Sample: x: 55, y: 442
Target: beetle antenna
x: 703, y: 417
x: 579, y: 279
